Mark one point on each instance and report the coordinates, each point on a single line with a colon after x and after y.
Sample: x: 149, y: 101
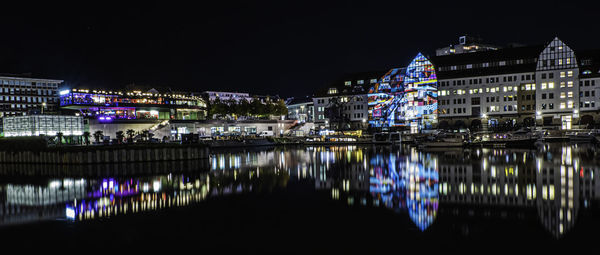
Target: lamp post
x: 43, y: 106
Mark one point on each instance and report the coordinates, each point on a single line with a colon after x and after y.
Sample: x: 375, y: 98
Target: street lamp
x: 43, y: 106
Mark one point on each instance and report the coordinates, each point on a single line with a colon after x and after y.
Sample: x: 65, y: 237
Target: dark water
x: 312, y: 200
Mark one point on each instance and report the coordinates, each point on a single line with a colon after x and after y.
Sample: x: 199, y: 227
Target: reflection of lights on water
x: 70, y: 212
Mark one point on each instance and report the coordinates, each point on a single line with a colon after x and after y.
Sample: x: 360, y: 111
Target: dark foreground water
x: 357, y: 199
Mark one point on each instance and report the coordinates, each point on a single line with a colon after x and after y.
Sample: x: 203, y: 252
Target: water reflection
x: 556, y: 181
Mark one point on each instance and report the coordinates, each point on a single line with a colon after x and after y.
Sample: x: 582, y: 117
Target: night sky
x: 268, y: 47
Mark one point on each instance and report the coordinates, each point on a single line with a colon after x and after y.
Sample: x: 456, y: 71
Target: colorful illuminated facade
x: 405, y: 97
x: 119, y: 105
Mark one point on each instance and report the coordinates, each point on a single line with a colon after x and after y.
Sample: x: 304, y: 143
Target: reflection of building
x: 405, y: 97
x: 19, y: 95
x: 35, y: 125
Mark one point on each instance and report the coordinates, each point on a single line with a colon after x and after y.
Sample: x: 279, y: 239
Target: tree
x: 120, y: 136
x: 281, y: 108
x: 59, y: 137
x: 97, y: 135
x: 130, y: 134
x: 86, y: 137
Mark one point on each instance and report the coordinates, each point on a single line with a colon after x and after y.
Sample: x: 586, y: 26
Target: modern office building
x: 108, y: 106
x: 35, y: 125
x: 301, y: 109
x: 20, y: 95
x: 344, y: 104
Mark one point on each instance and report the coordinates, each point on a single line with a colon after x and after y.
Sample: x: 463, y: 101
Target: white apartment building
x: 19, y: 95
x: 344, y: 104
x: 544, y: 85
x: 485, y: 87
x: 557, y: 93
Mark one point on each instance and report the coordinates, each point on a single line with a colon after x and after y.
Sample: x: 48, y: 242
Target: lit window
x: 332, y: 91
x: 562, y: 84
x: 568, y: 61
x: 348, y: 83
x: 570, y: 74
x: 562, y: 105
x: 562, y: 94
x: 570, y: 104
x: 373, y: 81
x: 544, y: 85
x: 570, y: 94
x: 570, y: 84
x: 562, y: 74
x: 360, y: 82
x: 550, y: 85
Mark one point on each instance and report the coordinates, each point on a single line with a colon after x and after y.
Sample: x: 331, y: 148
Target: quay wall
x: 104, y: 154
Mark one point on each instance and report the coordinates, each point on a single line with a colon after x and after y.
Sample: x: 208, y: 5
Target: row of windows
x: 487, y: 64
x: 23, y: 91
x: 524, y: 77
x: 587, y: 104
x: 24, y: 106
x: 28, y: 83
x: 587, y: 83
x: 587, y: 93
x: 528, y: 107
x: 360, y: 82
x: 27, y: 99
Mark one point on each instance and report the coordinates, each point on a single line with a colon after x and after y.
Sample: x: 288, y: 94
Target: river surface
x: 335, y: 199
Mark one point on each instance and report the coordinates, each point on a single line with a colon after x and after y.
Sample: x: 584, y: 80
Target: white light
x: 484, y: 115
x: 575, y: 111
x: 539, y: 113
x: 70, y: 213
x: 156, y: 185
x: 64, y: 92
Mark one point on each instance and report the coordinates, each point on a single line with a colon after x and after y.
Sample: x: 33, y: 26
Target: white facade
x: 484, y: 96
x: 355, y: 108
x: 557, y: 93
x: 18, y: 95
x: 35, y: 125
x: 226, y: 96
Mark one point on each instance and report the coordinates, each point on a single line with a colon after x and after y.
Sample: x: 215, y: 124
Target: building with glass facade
x: 109, y: 106
x: 35, y: 125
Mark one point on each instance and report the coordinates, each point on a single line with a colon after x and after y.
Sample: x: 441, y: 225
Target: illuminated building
x: 545, y: 85
x: 20, y: 95
x: 301, y: 109
x: 405, y: 97
x: 109, y: 106
x: 343, y: 105
x: 226, y: 96
x: 35, y: 125
x: 466, y: 44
